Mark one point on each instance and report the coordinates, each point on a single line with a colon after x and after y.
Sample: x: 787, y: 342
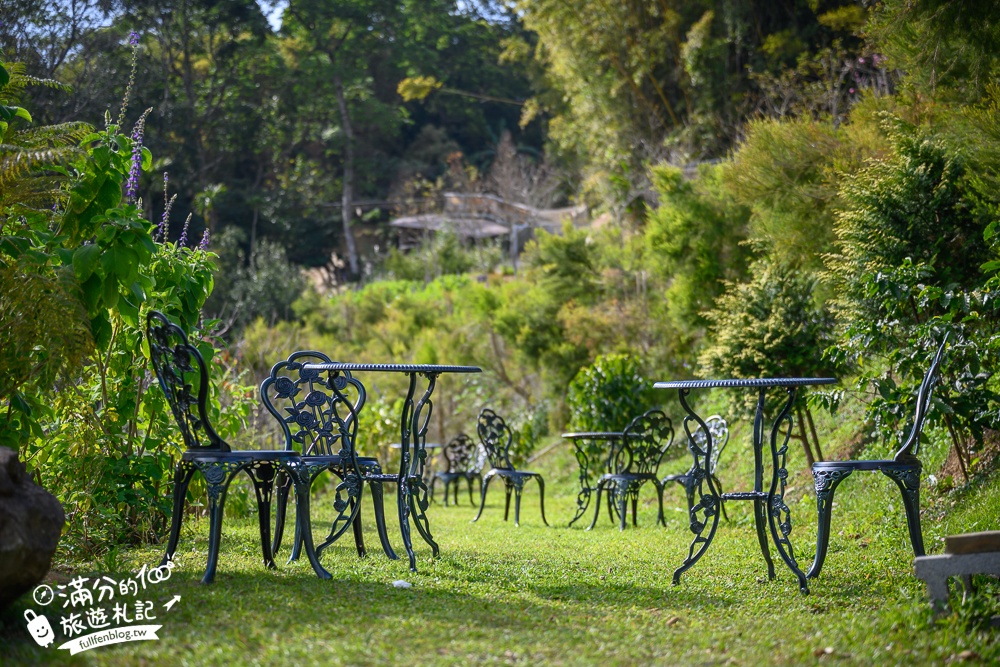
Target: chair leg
x: 284, y: 485
x: 541, y: 495
x: 455, y: 486
x: 379, y: 507
x: 659, y: 496
x: 635, y: 503
x: 359, y: 538
x: 826, y: 482
x: 597, y: 505
x: 302, y: 479
x: 297, y: 539
x: 908, y: 481
x: 506, y: 507
x: 217, y: 478
x: 468, y: 481
x: 517, y: 506
x: 434, y: 480
x: 622, y: 507
x: 262, y: 475
x: 182, y: 478
x: 483, y: 486
x: 611, y: 505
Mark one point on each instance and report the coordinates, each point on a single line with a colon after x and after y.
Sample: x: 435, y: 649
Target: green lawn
x: 536, y: 595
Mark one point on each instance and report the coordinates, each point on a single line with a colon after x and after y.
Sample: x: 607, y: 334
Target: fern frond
x: 63, y: 134
x: 48, y: 83
x: 19, y: 163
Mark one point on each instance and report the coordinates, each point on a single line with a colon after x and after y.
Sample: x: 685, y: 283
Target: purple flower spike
x: 133, y: 38
x: 184, y: 233
x: 204, y: 241
x: 132, y: 185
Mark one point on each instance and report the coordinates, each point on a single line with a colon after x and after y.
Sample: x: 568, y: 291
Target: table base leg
x: 760, y: 521
x: 708, y: 508
x: 779, y: 516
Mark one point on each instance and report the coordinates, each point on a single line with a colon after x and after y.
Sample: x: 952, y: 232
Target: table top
x: 755, y: 382
x: 392, y: 368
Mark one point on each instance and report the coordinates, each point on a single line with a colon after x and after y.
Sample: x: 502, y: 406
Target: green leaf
x: 101, y: 328
x: 4, y: 76
x: 22, y: 113
x: 18, y: 403
x: 110, y: 292
x: 93, y: 288
x: 147, y: 159
x: 129, y: 312
x: 85, y: 260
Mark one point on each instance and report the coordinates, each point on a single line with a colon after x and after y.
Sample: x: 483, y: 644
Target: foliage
x: 769, y: 326
x: 101, y: 438
x: 441, y: 255
x: 635, y: 83
x: 608, y: 394
x: 695, y: 237
x: 912, y: 243
x: 264, y: 285
x: 788, y: 173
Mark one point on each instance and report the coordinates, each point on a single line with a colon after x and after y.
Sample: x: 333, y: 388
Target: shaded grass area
x: 564, y: 596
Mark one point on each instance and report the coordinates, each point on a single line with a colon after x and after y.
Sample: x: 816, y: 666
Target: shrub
x: 608, y: 394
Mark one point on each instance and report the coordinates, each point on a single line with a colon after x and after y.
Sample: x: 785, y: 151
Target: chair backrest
x: 460, y: 454
x: 643, y: 444
x: 719, y: 430
x: 496, y: 438
x: 319, y: 413
x: 911, y: 447
x: 183, y: 377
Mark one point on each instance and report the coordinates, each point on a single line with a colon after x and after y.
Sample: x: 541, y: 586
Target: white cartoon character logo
x: 39, y: 628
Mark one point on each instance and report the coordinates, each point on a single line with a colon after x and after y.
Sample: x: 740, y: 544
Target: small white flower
x: 399, y: 583
x: 931, y: 480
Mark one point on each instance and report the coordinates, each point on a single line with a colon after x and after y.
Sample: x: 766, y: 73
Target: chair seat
x: 335, y: 459
x: 507, y: 472
x: 630, y: 477
x: 240, y: 455
x: 869, y: 464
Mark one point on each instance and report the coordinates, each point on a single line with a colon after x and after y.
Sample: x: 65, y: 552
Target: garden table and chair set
x: 317, y: 402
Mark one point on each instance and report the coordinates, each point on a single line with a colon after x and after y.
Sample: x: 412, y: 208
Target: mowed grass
x: 565, y: 596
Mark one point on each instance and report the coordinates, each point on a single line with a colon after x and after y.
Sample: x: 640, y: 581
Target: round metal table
x: 413, y: 422
x: 769, y: 505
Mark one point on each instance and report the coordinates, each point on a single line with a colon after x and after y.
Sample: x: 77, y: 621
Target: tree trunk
x: 347, y: 198
x: 804, y: 438
x: 812, y: 429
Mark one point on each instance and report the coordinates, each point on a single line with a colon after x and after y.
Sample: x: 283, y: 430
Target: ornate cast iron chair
x: 904, y: 469
x: 322, y: 424
x: 719, y: 430
x: 183, y: 377
x: 496, y: 438
x: 633, y: 462
x: 461, y: 455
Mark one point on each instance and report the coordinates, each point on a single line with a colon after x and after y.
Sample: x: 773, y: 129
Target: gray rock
x: 31, y: 521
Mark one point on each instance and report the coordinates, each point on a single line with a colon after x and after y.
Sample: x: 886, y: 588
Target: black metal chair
x: 324, y: 424
x: 719, y: 430
x: 904, y: 469
x: 496, y: 438
x: 463, y: 461
x: 183, y: 377
x: 634, y: 461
